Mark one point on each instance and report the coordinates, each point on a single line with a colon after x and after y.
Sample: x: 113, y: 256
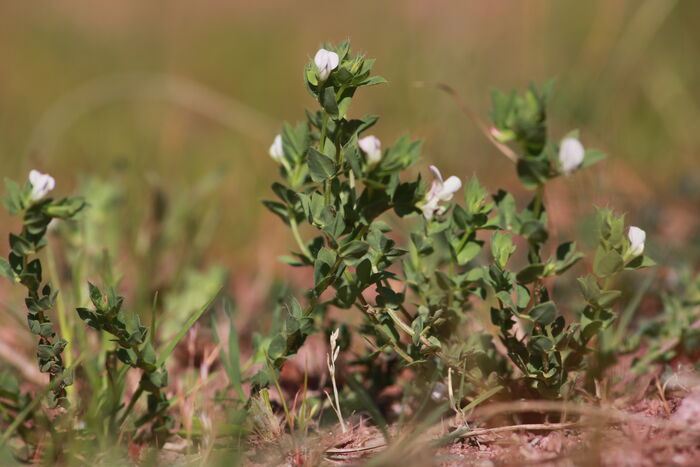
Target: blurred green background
x: 163, y: 93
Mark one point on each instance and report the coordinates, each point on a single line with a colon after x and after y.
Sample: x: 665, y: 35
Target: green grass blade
x: 234, y: 352
x: 154, y: 319
x: 165, y: 353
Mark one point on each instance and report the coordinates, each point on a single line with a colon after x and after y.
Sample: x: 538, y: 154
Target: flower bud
x: 571, y: 154
x: 372, y: 147
x: 326, y: 61
x: 41, y: 184
x: 277, y: 150
x: 637, y: 238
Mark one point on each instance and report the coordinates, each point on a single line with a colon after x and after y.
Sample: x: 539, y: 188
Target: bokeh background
x: 167, y: 93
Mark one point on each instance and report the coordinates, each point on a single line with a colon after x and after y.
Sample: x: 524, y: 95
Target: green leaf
x: 607, y: 264
x: 323, y: 265
x: 544, y: 313
x: 344, y: 102
x: 607, y: 298
x: 279, y: 209
x: 469, y: 252
x: 474, y: 196
x: 20, y: 245
x: 589, y: 289
x: 354, y: 249
x: 6, y: 269
x: 530, y: 273
x: 502, y: 248
x: 532, y: 172
x: 364, y: 271
x: 328, y: 101
x: 96, y: 296
x: 592, y: 156
x: 278, y: 347
x: 321, y: 167
x: 148, y: 354
x: 542, y: 343
x: 640, y: 262
x: 567, y: 256
x: 590, y: 330
x: 66, y: 208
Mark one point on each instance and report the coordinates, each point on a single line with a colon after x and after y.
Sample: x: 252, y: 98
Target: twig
x: 612, y: 414
x: 525, y: 427
x: 505, y: 150
x: 353, y: 450
x: 472, y: 433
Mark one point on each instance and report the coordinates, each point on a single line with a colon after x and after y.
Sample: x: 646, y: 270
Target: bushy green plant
x: 675, y: 333
x: 425, y: 278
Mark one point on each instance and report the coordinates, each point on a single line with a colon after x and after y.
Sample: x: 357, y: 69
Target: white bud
x: 372, y: 147
x: 571, y: 154
x: 41, y: 184
x: 637, y: 237
x: 277, y: 150
x: 326, y: 61
x: 439, y: 191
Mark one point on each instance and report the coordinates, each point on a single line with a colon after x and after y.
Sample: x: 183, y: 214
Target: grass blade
x: 165, y: 353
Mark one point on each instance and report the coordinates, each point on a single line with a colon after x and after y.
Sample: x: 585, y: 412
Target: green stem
x: 295, y: 231
x: 539, y: 195
x: 132, y: 402
x: 324, y: 126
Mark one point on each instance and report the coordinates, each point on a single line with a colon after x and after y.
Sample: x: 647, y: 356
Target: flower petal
x: 436, y: 173
x: 637, y: 237
x: 451, y: 185
x: 571, y: 154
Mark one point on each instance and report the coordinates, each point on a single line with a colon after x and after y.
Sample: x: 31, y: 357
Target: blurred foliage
x: 91, y: 86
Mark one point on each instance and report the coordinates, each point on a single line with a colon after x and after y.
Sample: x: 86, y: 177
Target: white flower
x: 439, y: 191
x: 41, y: 184
x: 636, y: 237
x: 372, y: 147
x: 326, y: 61
x: 571, y: 154
x: 277, y: 150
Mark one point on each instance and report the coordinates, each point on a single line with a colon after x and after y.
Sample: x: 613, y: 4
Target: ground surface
x: 651, y: 431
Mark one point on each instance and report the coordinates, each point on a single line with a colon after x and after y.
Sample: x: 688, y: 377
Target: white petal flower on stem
x: 571, y: 154
x: 637, y: 237
x: 277, y: 150
x: 326, y: 61
x: 440, y: 191
x: 41, y: 184
x: 372, y: 147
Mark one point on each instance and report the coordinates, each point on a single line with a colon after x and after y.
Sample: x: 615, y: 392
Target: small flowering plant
x: 23, y: 266
x: 414, y: 287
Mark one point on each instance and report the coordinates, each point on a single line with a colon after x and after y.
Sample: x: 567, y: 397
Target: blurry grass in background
x: 163, y: 94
